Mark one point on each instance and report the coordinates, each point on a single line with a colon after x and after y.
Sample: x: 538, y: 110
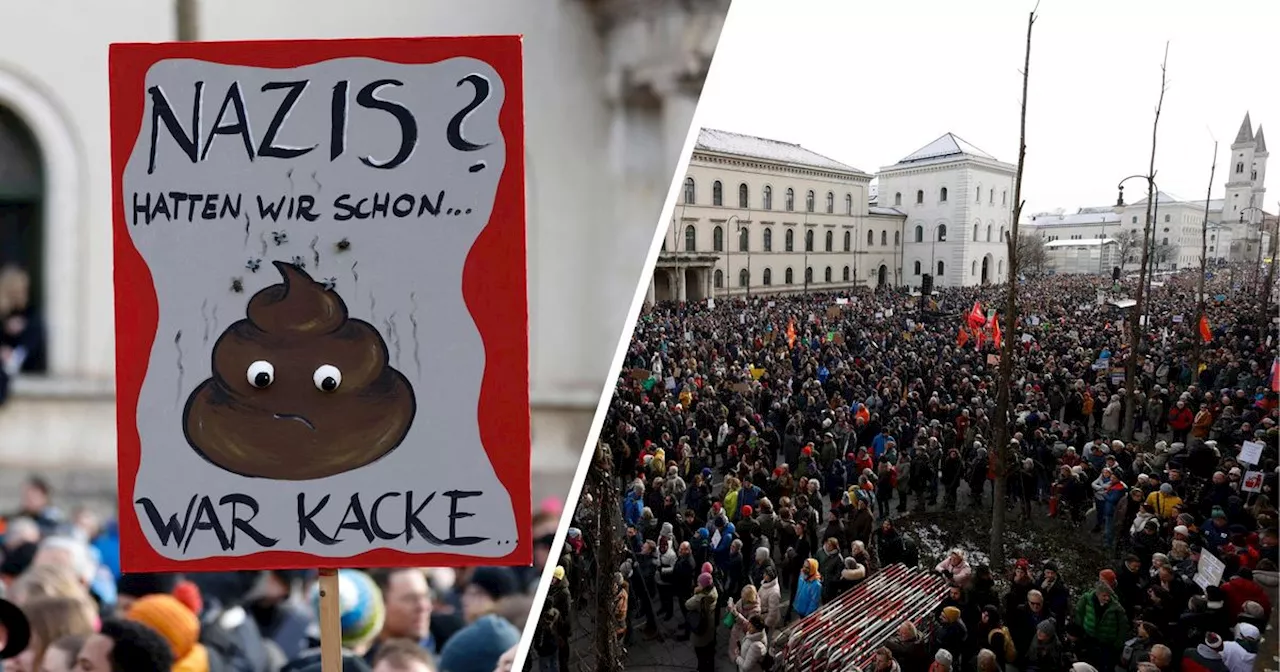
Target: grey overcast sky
x: 867, y: 83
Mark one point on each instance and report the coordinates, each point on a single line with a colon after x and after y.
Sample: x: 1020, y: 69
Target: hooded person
x: 1205, y: 657
x: 1239, y: 655
x: 478, y: 646
x: 178, y: 625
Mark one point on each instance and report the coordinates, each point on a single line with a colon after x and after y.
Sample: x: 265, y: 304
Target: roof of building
x: 728, y: 142
x: 892, y: 212
x: 949, y: 147
x: 1094, y: 216
x: 1245, y: 134
x: 1261, y: 141
x: 1162, y: 197
x: 1086, y: 242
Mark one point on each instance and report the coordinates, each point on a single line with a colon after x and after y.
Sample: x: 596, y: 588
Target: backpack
x: 767, y: 661
x: 1010, y: 651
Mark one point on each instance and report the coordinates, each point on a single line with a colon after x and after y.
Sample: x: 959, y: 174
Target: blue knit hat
x: 360, y: 608
x: 477, y: 647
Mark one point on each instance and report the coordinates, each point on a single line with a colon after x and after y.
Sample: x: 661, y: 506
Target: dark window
x: 942, y: 233
x: 871, y: 237
x: 848, y: 204
x: 942, y: 195
x: 690, y: 239
x: 831, y: 241
x: 808, y: 201
x: 845, y: 276
x: 919, y: 234
x: 690, y: 192
x: 744, y: 196
x: 831, y: 203
x: 826, y: 275
x: 744, y: 278
x: 768, y: 240
x: 717, y: 193
x: 790, y: 277
x: 808, y: 241
x: 717, y: 239
x: 848, y: 241
x: 744, y: 239
x: 897, y: 198
x: 719, y: 278
x: 791, y: 240
x: 884, y: 238
x: 791, y: 200
x: 768, y: 198
x: 919, y: 197
x: 768, y: 277
x: 917, y: 268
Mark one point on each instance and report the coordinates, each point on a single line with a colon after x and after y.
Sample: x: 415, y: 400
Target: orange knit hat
x: 169, y: 617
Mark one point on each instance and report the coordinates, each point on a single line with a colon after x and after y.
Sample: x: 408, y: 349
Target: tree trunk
x: 1270, y: 282
x: 607, y: 562
x: 1204, y: 260
x: 1010, y: 335
x: 1137, y: 330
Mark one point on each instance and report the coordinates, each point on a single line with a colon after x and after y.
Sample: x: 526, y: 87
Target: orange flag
x: 963, y: 337
x: 1206, y: 333
x: 995, y: 329
x: 977, y: 318
x: 791, y: 333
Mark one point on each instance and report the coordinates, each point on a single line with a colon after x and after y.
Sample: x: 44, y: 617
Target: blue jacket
x: 878, y: 444
x: 632, y: 507
x: 808, y: 597
x: 1215, y: 537
x: 722, y: 549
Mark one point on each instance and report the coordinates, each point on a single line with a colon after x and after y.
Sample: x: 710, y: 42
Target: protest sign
x: 309, y: 238
x: 1252, y: 481
x: 1208, y: 570
x: 1251, y: 452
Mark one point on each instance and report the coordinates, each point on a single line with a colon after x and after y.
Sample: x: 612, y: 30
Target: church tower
x: 1246, y: 177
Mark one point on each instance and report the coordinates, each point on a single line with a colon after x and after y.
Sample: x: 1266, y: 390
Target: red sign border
x: 494, y: 286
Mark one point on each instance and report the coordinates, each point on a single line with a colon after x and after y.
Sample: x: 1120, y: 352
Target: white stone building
x: 759, y: 216
x: 958, y: 202
x: 610, y: 90
x: 1237, y: 225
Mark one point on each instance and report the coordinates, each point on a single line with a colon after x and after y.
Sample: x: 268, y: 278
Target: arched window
x: 808, y: 275
x: 884, y: 238
x: 975, y: 233
x: 941, y: 269
x: 919, y: 234
x: 897, y: 238
x: 942, y: 233
x: 991, y: 196
x: 768, y: 277
x: 768, y: 198
x: 1001, y: 267
x: 831, y: 203
x: 744, y: 196
x: 897, y: 198
x: 789, y: 277
x: 871, y: 237
x: 848, y: 204
x: 717, y: 239
x: 744, y: 239
x: 826, y: 275
x: 744, y: 278
x: 848, y: 241
x: 719, y: 279
x: 917, y: 268
x: 1004, y: 197
x: 791, y: 200
x: 919, y: 196
x: 977, y: 194
x: 791, y: 240
x: 942, y: 195
x: 690, y: 192
x: 768, y: 240
x: 988, y: 233
x: 1004, y: 237
x: 1166, y: 218
x: 845, y: 276
x: 831, y: 241
x: 973, y: 268
x: 808, y: 201
x: 717, y: 193
x: 1135, y: 220
x: 690, y: 239
x: 808, y: 241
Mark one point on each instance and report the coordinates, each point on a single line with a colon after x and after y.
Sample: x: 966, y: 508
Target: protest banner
x: 1208, y: 570
x: 309, y: 237
x: 1251, y: 452
x: 1252, y: 481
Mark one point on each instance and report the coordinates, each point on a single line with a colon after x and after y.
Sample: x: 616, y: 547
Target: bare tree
x: 186, y: 17
x: 1137, y: 329
x: 1204, y: 259
x: 1010, y: 328
x: 1271, y: 278
x: 1128, y: 241
x: 1031, y: 254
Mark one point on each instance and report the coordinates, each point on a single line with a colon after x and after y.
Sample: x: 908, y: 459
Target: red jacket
x: 1181, y: 419
x: 1238, y: 591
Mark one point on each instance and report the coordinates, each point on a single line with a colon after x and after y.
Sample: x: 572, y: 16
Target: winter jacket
x: 1105, y: 623
x: 751, y: 652
x: 808, y: 596
x: 704, y: 603
x: 771, y: 606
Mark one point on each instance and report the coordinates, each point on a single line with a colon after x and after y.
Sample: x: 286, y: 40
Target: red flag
x: 963, y: 337
x: 1206, y: 334
x: 977, y: 318
x: 1275, y: 376
x: 995, y: 329
x: 791, y: 333
x: 978, y: 338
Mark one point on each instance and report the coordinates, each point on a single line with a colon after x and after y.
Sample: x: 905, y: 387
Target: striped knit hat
x: 360, y: 608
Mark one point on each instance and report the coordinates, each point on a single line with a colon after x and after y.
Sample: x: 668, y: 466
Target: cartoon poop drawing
x: 299, y: 391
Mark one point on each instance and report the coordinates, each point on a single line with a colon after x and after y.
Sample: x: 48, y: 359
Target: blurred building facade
x: 611, y: 86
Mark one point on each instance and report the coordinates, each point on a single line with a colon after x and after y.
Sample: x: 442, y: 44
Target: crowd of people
x: 65, y: 605
x: 771, y: 450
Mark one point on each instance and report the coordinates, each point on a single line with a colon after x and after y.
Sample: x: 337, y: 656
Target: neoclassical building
x: 760, y: 216
x: 958, y: 202
x: 1238, y: 226
x: 610, y: 90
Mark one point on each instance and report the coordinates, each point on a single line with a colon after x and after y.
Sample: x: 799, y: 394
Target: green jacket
x: 1107, y: 624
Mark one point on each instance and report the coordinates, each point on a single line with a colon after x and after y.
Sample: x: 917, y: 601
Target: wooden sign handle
x: 330, y: 622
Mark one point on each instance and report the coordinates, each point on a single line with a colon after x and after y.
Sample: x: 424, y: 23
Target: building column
x: 651, y: 293
x: 681, y: 290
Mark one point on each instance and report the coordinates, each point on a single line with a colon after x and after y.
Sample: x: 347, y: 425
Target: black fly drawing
x: 253, y: 265
x: 280, y: 237
x: 330, y: 283
x: 342, y: 245
x: 237, y: 285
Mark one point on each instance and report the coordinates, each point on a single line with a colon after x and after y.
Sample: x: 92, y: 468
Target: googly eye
x: 327, y: 378
x: 261, y: 374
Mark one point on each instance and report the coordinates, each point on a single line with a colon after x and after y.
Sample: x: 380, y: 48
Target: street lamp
x: 1136, y: 327
x: 728, y: 256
